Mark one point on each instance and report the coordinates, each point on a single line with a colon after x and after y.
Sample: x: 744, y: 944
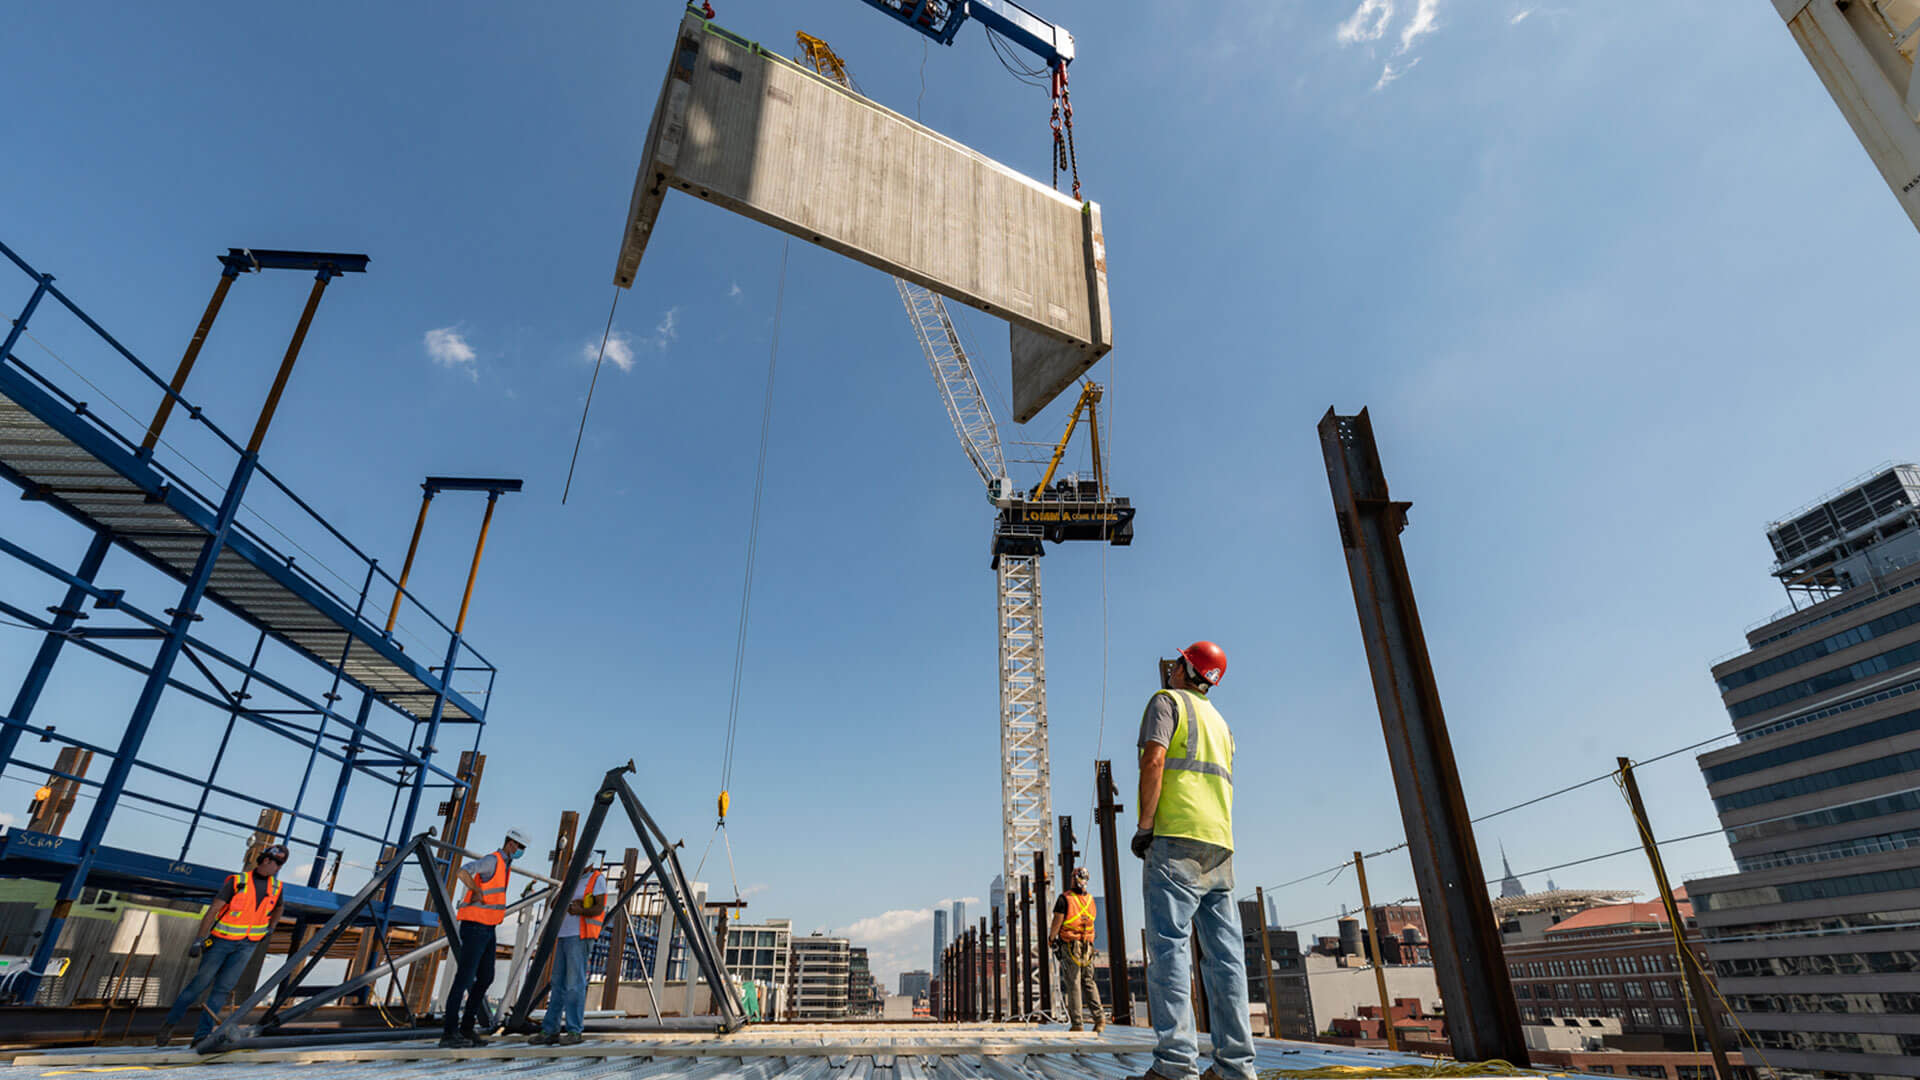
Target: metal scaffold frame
x: 1026, y: 800
x: 132, y: 494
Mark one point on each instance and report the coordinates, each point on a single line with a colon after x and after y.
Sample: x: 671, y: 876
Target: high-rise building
x: 939, y: 936
x: 959, y: 918
x: 761, y: 953
x: 914, y: 984
x: 861, y: 1000
x: 819, y: 980
x: 997, y: 898
x: 1812, y: 938
x: 1292, y: 1004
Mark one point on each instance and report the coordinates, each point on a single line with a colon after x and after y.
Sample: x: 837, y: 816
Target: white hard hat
x: 519, y: 836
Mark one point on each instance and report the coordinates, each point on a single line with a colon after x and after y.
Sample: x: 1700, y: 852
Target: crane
x: 1051, y: 511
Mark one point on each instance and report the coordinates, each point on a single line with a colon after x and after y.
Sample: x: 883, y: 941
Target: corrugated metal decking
x: 749, y: 130
x: 759, y: 1052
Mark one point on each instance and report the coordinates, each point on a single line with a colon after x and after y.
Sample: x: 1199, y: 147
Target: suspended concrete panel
x: 746, y: 129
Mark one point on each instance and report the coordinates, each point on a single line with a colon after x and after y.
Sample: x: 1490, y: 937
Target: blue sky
x: 1618, y: 285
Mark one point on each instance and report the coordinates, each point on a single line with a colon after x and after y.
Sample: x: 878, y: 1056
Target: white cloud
x: 1389, y: 73
x: 756, y: 889
x: 8, y: 820
x: 898, y: 940
x: 619, y: 349
x: 447, y: 347
x: 1519, y: 16
x: 733, y: 290
x: 666, y: 331
x: 1424, y: 21
x: 1367, y: 23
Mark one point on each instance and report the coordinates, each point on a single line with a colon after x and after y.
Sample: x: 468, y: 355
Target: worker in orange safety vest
x: 1072, y: 937
x: 237, y: 921
x: 567, y: 998
x: 480, y: 914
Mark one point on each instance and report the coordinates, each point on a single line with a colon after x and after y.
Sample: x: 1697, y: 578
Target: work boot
x: 1075, y: 1026
x: 455, y: 1042
x: 571, y: 1038
x: 164, y: 1035
x: 473, y: 1038
x: 541, y: 1038
x: 1151, y: 1075
x: 1099, y: 1025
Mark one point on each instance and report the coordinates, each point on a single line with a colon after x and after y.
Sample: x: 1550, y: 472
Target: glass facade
x: 1891, y: 765
x: 1851, y: 885
x: 1858, y: 735
x: 1827, y: 680
x: 1826, y: 646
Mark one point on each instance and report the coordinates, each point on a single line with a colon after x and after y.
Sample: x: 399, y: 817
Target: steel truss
x: 1026, y: 800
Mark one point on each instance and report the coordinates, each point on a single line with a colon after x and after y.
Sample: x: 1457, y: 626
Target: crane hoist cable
x: 724, y: 803
x: 581, y: 434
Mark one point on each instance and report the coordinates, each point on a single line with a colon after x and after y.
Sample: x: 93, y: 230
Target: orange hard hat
x: 1206, y: 661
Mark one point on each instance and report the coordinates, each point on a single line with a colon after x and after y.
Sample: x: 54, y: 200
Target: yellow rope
x: 1437, y: 1068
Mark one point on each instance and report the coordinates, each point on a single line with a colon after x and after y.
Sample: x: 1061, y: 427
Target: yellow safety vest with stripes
x: 248, y: 915
x: 1196, y: 790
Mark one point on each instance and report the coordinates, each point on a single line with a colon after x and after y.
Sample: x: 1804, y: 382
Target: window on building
x: 1661, y: 988
x: 1563, y: 991
x: 1642, y: 1015
x: 1696, y: 1072
x: 1523, y: 992
x: 1537, y: 969
x: 1669, y: 1018
x: 1605, y: 1069
x: 1636, y: 989
x: 1526, y: 1013
x: 1585, y: 990
x: 1650, y: 1071
x: 1609, y: 990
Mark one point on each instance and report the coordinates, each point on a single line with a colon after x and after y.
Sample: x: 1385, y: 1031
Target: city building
x: 1527, y: 916
x: 959, y: 925
x: 1292, y: 1003
x: 861, y: 999
x: 915, y: 984
x: 761, y: 953
x: 997, y: 897
x: 1403, y: 935
x: 819, y: 979
x: 1812, y: 936
x: 1611, y: 961
x: 1338, y: 987
x: 939, y: 935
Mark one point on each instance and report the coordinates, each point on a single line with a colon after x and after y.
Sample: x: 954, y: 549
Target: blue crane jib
x: 942, y: 19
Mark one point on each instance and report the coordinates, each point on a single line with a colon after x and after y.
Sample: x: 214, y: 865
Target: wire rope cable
x: 591, y: 384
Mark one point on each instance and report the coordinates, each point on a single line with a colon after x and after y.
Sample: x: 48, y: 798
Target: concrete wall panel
x: 753, y: 132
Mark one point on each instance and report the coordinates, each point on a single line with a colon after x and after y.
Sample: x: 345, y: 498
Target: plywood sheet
x: 748, y: 130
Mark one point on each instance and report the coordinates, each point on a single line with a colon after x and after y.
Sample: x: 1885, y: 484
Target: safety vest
x: 1078, y: 925
x: 487, y: 905
x: 1196, y: 791
x: 247, y: 916
x: 590, y: 924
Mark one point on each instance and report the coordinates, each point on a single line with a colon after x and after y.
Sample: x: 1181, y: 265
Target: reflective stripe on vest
x: 590, y: 924
x: 1196, y: 790
x: 247, y: 915
x: 487, y: 905
x: 1078, y: 925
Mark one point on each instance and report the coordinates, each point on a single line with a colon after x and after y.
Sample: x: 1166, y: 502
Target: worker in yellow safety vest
x: 479, y: 915
x: 567, y: 998
x: 237, y: 921
x: 1186, y: 838
x: 1072, y: 937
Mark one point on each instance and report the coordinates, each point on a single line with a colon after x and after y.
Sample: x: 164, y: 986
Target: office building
x: 915, y: 984
x: 760, y: 953
x: 1292, y: 1003
x: 997, y: 897
x: 1813, y: 937
x: 861, y: 999
x: 959, y: 924
x: 939, y: 935
x: 819, y: 979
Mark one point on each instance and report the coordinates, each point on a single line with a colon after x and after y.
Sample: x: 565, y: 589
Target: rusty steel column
x: 617, y: 948
x: 985, y: 967
x: 1482, y: 1019
x: 1105, y: 816
x: 996, y: 962
x: 1026, y: 947
x: 1042, y: 930
x: 1379, y: 964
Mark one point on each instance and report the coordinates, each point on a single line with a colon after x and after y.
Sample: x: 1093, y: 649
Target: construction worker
x: 479, y: 915
x: 567, y: 996
x: 235, y: 924
x: 1072, y: 937
x: 1186, y: 838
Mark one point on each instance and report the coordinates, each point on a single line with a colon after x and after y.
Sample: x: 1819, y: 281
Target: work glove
x: 1142, y: 839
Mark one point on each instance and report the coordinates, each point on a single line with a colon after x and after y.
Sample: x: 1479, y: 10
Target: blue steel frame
x: 941, y: 20
x: 349, y: 740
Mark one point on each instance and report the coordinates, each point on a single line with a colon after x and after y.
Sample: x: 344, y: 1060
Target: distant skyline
x: 1607, y: 326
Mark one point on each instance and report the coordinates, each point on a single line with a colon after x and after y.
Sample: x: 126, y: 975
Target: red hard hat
x: 1207, y: 660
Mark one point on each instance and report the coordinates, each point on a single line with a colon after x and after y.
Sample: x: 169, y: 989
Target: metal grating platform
x: 758, y: 1052
x: 61, y: 456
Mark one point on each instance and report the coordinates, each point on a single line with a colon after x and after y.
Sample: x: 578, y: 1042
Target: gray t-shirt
x: 570, y: 926
x: 1156, y: 729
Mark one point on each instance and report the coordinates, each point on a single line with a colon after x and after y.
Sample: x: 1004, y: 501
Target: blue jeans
x: 567, y: 999
x: 220, y: 968
x: 1188, y: 887
x: 472, y: 976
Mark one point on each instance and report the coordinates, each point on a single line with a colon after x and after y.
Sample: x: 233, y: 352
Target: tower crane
x: 1053, y: 511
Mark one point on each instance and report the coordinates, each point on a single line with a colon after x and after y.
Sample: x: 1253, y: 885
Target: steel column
x: 1105, y: 815
x: 280, y: 377
x: 1026, y: 948
x: 1026, y: 799
x: 347, y: 759
x: 1482, y: 1019
x: 1379, y: 961
x: 55, y: 639
x: 1042, y: 930
x: 185, y: 368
